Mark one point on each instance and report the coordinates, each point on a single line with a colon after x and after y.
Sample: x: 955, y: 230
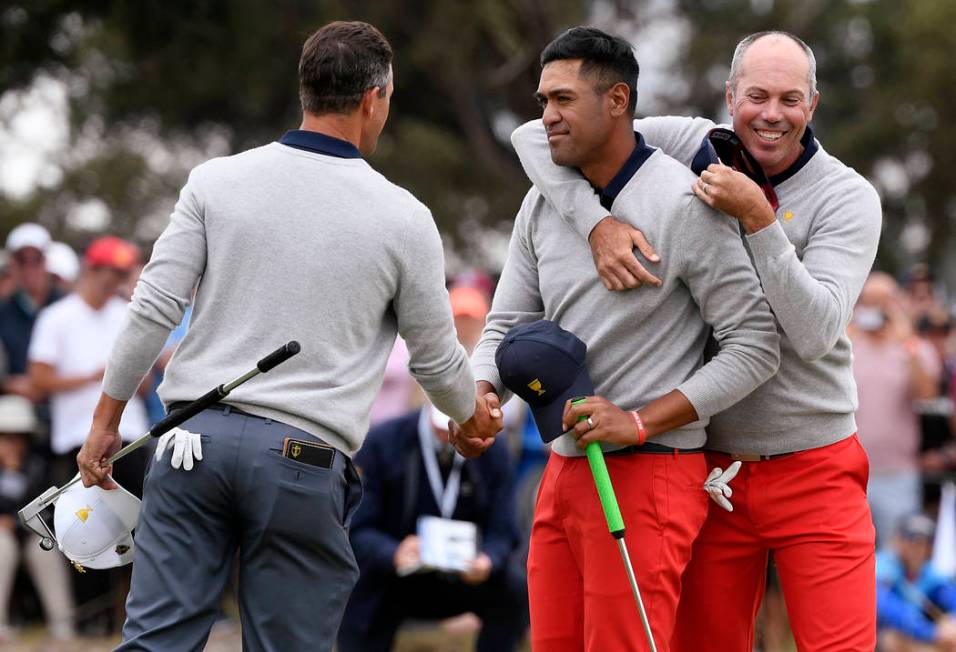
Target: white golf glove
x: 186, y: 447
x: 717, y: 485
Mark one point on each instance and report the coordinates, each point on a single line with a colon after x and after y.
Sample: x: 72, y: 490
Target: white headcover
x: 94, y: 526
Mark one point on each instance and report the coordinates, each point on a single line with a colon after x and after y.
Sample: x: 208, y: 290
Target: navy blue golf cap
x: 724, y: 146
x: 545, y: 365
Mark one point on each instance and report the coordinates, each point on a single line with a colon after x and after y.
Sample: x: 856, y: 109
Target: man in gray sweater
x: 811, y: 233
x: 645, y: 353
x: 297, y: 239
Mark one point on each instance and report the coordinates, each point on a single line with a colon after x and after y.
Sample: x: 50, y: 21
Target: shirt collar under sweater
x: 633, y: 163
x: 313, y: 141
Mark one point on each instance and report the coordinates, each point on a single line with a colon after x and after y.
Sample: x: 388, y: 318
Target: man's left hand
x: 479, y: 571
x: 735, y: 194
x: 605, y: 422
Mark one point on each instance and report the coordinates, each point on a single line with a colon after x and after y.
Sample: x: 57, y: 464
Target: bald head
x: 774, y: 50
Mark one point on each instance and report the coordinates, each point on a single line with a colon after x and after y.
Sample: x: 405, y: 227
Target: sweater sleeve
x: 567, y: 190
x: 813, y: 298
x: 722, y: 282
x: 162, y: 293
x: 517, y: 298
x: 437, y: 361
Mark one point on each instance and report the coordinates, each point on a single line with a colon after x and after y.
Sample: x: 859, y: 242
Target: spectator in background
x: 893, y: 368
x: 939, y: 449
x: 26, y: 246
x: 63, y: 265
x: 916, y: 605
x: 7, y: 283
x: 920, y: 295
x: 399, y: 487
x: 68, y: 354
x: 22, y: 477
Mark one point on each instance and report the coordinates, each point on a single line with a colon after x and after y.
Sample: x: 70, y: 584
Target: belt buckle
x: 746, y: 457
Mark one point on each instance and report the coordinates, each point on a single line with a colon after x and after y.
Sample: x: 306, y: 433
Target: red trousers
x: 579, y: 594
x: 810, y: 509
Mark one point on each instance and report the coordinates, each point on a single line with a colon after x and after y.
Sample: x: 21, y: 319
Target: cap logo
x: 84, y: 513
x: 296, y: 450
x: 535, y: 385
x: 121, y: 549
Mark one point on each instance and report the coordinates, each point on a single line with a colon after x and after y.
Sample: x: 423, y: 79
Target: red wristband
x: 641, y: 432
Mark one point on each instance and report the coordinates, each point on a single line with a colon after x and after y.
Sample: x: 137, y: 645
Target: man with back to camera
x: 802, y: 490
x: 641, y: 346
x: 297, y: 239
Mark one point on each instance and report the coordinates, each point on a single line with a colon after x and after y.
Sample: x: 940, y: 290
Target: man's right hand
x: 612, y: 247
x: 475, y: 436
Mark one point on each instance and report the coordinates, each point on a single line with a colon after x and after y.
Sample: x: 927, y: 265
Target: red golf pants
x: 579, y: 593
x: 810, y: 509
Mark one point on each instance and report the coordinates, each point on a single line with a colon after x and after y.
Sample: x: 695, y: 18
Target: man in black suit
x: 409, y: 470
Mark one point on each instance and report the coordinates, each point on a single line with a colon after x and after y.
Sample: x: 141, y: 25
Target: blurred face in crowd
x: 375, y: 105
x: 914, y: 552
x: 29, y: 269
x: 577, y: 114
x: 877, y: 300
x: 103, y: 283
x: 771, y: 103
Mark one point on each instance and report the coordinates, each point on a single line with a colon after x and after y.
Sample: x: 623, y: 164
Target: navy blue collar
x: 313, y: 141
x: 633, y: 163
x: 810, y: 148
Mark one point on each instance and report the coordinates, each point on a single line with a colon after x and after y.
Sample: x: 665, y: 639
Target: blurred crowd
x: 60, y: 311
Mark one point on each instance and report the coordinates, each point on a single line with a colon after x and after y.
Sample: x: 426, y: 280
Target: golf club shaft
x: 637, y: 593
x: 193, y: 408
x: 615, y: 522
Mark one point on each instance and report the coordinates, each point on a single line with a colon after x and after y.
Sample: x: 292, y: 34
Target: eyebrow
x: 759, y: 89
x: 538, y: 95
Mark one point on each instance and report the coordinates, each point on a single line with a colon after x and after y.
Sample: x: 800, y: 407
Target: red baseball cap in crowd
x: 110, y: 251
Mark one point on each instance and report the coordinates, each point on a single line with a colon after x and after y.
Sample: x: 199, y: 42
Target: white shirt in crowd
x: 75, y: 339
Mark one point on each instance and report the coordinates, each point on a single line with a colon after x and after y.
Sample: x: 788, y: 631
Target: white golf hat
x: 28, y: 234
x: 17, y: 415
x: 94, y: 526
x: 62, y: 261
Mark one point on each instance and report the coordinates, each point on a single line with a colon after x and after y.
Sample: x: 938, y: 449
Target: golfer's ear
x: 619, y: 96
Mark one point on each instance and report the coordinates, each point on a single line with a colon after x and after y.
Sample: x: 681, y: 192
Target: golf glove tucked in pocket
x: 717, y: 485
x: 186, y: 447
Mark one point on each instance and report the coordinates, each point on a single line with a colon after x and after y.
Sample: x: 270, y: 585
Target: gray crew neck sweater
x: 812, y: 264
x: 290, y: 244
x: 645, y: 343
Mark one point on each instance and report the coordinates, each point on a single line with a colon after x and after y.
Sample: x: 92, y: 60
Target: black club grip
x: 278, y: 356
x: 188, y: 411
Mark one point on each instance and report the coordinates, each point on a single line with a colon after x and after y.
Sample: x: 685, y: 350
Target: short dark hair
x: 339, y: 63
x: 610, y: 58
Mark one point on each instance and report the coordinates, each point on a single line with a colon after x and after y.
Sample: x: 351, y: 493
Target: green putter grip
x: 602, y: 480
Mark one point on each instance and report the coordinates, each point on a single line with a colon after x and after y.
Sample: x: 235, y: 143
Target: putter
x: 31, y: 515
x: 615, y: 523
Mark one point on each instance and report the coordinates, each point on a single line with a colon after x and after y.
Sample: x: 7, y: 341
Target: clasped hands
x: 477, y: 434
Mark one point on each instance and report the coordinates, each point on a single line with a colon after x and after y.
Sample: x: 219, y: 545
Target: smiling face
x: 771, y: 104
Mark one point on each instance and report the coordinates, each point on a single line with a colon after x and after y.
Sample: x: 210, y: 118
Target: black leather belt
x: 220, y: 407
x: 655, y: 449
x: 752, y: 457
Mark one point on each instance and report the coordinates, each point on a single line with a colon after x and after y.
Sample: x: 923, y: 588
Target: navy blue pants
x: 287, y: 520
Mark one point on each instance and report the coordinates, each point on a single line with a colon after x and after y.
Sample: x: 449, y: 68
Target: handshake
x: 475, y: 436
